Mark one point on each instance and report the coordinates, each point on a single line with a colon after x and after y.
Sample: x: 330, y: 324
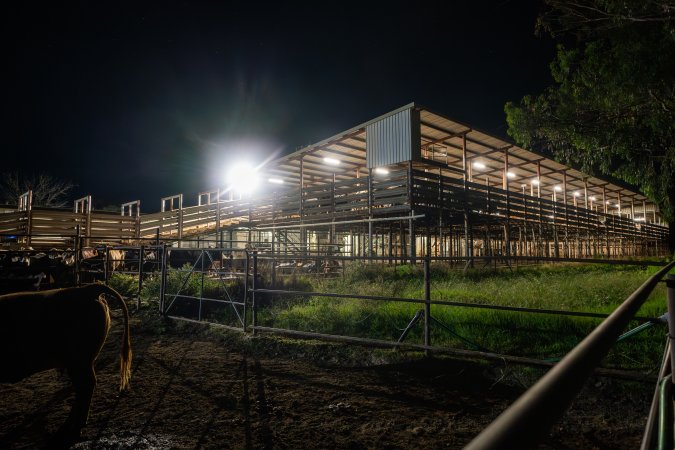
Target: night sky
x: 143, y: 100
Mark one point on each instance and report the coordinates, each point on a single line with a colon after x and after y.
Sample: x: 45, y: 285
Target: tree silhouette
x: 47, y: 190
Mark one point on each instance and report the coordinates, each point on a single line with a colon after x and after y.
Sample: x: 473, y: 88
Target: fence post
x: 140, y: 276
x: 201, y: 287
x: 254, y: 311
x: 162, y: 283
x: 245, y: 299
x: 77, y: 255
x: 670, y: 288
x: 427, y: 303
x: 106, y: 265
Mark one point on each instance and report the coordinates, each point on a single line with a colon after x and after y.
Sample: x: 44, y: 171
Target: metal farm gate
x: 205, y: 285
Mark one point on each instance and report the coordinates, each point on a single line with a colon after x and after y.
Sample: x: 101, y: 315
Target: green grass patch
x: 574, y: 287
x: 586, y: 288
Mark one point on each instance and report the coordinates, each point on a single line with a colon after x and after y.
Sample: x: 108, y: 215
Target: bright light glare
x: 535, y: 182
x: 608, y: 202
x: 557, y: 188
x: 332, y: 161
x: 510, y: 175
x: 242, y: 178
x: 577, y: 193
x: 478, y: 165
x: 592, y: 198
x: 381, y: 171
x: 276, y: 180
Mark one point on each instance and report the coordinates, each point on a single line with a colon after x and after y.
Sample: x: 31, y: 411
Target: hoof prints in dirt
x: 128, y: 440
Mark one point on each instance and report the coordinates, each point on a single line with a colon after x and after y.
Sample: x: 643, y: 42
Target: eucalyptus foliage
x: 611, y: 107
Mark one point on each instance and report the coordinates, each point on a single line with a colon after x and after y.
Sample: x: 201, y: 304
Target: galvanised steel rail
x: 529, y: 419
x: 448, y: 303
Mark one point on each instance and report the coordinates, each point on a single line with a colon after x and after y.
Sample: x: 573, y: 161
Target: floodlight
x: 608, y: 202
x: 381, y: 171
x: 242, y: 178
x: 478, y: 165
x: 332, y: 161
x: 535, y: 182
x: 558, y: 189
x: 276, y: 180
x: 577, y: 193
x: 592, y: 198
x: 510, y: 175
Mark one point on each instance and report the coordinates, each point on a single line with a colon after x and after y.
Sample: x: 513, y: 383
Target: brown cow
x: 61, y: 328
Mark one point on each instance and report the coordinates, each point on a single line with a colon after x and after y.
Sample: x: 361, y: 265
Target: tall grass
x: 591, y: 288
x: 596, y: 288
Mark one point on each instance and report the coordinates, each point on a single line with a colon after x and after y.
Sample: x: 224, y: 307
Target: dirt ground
x: 192, y: 390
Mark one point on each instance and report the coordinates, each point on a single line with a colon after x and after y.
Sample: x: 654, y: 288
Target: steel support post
x: 244, y: 301
x: 140, y: 275
x: 427, y: 302
x: 254, y: 306
x: 78, y: 255
x: 162, y: 284
x: 670, y: 287
x: 106, y: 265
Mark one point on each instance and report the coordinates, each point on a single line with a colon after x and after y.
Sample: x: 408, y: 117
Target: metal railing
x: 527, y: 421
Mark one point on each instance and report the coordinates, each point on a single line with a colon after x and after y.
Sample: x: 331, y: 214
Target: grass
x: 591, y: 288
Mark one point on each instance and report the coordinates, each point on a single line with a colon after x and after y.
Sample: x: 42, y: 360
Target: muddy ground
x: 203, y: 389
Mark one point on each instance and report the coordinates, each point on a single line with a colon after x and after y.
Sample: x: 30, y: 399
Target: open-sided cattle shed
x: 410, y: 182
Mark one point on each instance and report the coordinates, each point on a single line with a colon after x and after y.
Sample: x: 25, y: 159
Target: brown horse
x: 63, y: 329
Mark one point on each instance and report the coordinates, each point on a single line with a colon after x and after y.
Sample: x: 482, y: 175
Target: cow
x: 62, y: 329
x: 116, y: 258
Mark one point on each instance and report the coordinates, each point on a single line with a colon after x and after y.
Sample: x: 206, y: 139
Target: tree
x: 611, y: 107
x: 47, y: 190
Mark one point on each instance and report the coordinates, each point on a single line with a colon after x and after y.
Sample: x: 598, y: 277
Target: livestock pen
x: 406, y: 184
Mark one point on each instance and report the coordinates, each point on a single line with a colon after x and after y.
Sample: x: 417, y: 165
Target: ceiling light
x: 557, y: 188
x: 332, y: 161
x: 510, y: 175
x: 381, y: 171
x: 577, y: 193
x: 535, y: 182
x: 276, y: 180
x: 592, y: 198
x: 478, y: 165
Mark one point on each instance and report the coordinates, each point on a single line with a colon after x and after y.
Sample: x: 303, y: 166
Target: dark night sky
x: 141, y: 100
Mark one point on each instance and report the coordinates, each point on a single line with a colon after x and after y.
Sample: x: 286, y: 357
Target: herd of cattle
x: 33, y: 270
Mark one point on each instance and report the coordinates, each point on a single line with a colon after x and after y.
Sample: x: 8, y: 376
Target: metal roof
x: 441, y: 141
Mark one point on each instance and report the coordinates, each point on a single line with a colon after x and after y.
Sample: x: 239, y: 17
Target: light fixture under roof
x: 381, y: 171
x: 510, y: 175
x: 331, y: 161
x: 535, y: 182
x: 478, y: 165
x: 577, y: 193
x: 276, y: 180
x: 592, y: 198
x: 558, y: 189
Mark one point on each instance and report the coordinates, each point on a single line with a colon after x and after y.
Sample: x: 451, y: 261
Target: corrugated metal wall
x: 393, y: 139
